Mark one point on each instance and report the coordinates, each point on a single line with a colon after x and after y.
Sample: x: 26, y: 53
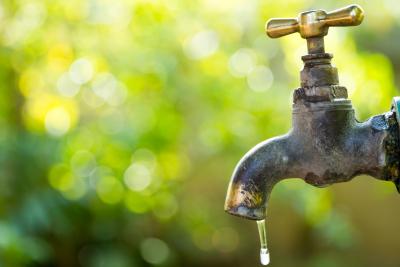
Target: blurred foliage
x: 121, y: 122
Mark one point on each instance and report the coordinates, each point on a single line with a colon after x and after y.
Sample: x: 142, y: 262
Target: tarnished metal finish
x: 326, y: 144
x: 396, y: 107
x: 392, y: 145
x: 320, y: 93
x: 319, y: 80
x: 255, y: 176
x: 318, y: 71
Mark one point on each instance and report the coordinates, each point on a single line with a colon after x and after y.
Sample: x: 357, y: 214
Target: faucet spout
x: 254, y: 177
x: 326, y: 145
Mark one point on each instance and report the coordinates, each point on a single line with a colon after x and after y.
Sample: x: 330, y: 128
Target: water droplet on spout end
x: 264, y: 256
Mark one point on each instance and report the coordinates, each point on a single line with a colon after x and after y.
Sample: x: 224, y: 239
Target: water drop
x: 264, y: 253
x: 264, y: 256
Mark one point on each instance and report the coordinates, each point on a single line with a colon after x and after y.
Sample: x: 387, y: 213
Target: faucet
x: 326, y: 143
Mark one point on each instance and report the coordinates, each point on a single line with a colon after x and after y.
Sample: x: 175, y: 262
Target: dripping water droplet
x: 264, y: 256
x: 264, y: 253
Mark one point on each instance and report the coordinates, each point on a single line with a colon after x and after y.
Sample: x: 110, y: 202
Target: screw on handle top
x: 313, y: 25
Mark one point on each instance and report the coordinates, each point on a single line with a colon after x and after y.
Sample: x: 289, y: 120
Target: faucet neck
x: 318, y: 71
x: 319, y: 79
x: 315, y: 45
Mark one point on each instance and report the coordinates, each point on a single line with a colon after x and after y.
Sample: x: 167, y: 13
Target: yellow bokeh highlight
x: 215, y: 65
x: 31, y: 82
x: 38, y: 108
x: 59, y: 57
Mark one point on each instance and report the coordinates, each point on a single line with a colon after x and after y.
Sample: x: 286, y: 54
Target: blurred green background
x: 121, y: 123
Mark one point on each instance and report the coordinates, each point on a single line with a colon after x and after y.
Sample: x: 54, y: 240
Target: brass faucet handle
x: 315, y: 23
x: 276, y: 28
x: 351, y: 15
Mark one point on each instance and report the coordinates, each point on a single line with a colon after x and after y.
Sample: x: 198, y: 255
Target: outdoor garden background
x: 121, y: 123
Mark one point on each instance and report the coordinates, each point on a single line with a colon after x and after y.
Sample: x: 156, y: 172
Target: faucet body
x: 326, y: 144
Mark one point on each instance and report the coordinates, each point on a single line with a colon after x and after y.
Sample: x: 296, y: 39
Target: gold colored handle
x: 348, y: 16
x: 281, y: 27
x: 315, y: 23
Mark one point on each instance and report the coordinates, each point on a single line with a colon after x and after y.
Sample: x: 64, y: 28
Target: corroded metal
x: 326, y: 144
